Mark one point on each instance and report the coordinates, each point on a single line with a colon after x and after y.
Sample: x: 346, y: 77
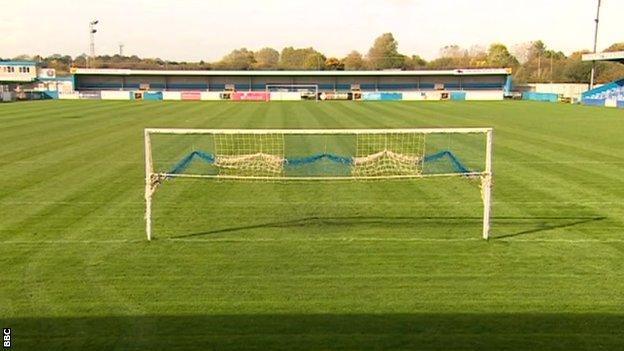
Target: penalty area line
x: 268, y: 240
x: 401, y: 240
x: 321, y: 239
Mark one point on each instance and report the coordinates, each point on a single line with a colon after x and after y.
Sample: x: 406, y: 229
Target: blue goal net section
x: 316, y: 155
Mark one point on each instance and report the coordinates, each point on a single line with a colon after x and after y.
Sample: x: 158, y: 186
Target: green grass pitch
x: 358, y: 265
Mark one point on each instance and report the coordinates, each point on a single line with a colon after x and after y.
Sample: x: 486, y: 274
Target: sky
x: 194, y: 30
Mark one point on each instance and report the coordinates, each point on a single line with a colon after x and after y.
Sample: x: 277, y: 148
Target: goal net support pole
x: 150, y: 184
x: 486, y: 185
x: 381, y: 154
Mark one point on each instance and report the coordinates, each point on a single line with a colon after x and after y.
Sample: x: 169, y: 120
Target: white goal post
x: 318, y: 155
x: 294, y: 88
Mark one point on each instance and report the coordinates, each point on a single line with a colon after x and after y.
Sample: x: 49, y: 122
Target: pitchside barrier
x: 535, y: 96
x: 116, y: 95
x: 285, y: 96
x: 381, y: 96
x: 292, y: 92
x: 250, y: 96
x: 289, y: 95
x: 90, y: 95
x: 190, y: 95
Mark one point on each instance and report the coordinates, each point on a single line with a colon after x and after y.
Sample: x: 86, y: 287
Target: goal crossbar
x: 318, y: 131
x: 269, y: 165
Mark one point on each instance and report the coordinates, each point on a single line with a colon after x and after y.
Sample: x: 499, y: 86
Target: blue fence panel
x: 369, y: 96
x: 458, y: 95
x: 593, y: 102
x: 153, y: 96
x: 51, y: 94
x: 620, y: 104
x: 533, y: 96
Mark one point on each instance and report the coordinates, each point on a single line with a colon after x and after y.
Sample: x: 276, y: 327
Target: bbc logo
x: 6, y: 338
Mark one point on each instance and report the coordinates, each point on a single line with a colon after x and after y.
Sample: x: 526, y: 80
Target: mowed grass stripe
x: 277, y: 254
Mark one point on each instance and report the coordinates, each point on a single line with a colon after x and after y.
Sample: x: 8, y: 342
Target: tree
x: 266, y: 58
x: 521, y: 51
x: 353, y: 61
x: 536, y: 50
x: 499, y: 56
x: 414, y: 62
x: 452, y: 51
x: 80, y: 61
x: 239, y: 59
x: 384, y: 53
x: 477, y: 56
x: 334, y: 64
x: 306, y: 58
x: 23, y: 57
x: 609, y: 71
x: 577, y: 71
x: 314, y: 61
x: 615, y: 47
x: 539, y: 64
x: 454, y: 56
x: 442, y: 63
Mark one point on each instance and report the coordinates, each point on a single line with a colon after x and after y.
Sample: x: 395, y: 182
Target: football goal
x: 286, y: 155
x: 303, y: 91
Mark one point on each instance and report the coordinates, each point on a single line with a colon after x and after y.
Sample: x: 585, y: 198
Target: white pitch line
x: 20, y: 242
x: 572, y: 241
x: 225, y: 240
x: 251, y: 204
x: 326, y: 240
x: 493, y: 239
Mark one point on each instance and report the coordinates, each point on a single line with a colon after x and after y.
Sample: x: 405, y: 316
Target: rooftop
x: 18, y: 63
x: 453, y: 72
x: 617, y: 56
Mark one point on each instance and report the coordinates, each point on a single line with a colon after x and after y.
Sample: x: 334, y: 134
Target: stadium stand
x: 613, y: 90
x: 475, y: 84
x: 611, y: 95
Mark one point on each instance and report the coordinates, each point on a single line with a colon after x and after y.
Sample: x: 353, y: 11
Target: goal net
x: 318, y: 155
x: 303, y: 91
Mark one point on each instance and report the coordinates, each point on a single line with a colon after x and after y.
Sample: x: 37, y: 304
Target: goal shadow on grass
x: 538, y: 224
x: 406, y: 331
x: 546, y: 224
x: 346, y: 221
